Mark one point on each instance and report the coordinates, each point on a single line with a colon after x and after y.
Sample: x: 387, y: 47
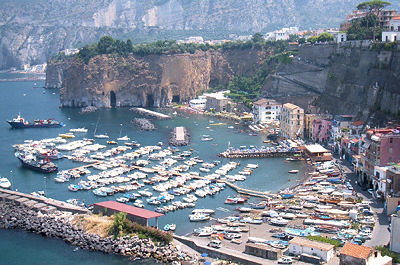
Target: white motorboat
x: 124, y: 138
x: 198, y: 217
x: 289, y: 216
x: 279, y: 221
x: 101, y: 136
x: 203, y: 211
x: 5, y: 183
x: 80, y: 130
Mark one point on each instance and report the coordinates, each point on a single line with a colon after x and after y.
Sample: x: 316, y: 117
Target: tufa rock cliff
x: 351, y: 78
x: 154, y: 80
x: 32, y: 31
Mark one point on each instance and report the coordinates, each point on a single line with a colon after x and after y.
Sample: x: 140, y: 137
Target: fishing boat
x: 244, y: 209
x: 112, y: 142
x: 30, y: 161
x: 20, y: 123
x: 293, y: 171
x: 5, y: 183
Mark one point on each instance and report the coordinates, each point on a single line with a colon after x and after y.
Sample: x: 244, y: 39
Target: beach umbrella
x: 207, y: 263
x: 204, y: 255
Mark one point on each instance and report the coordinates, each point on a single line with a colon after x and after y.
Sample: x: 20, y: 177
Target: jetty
x: 41, y: 204
x: 258, y: 154
x: 151, y: 113
x: 179, y: 137
x: 248, y: 192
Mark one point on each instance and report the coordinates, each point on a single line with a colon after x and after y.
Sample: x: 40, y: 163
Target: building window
x: 390, y: 150
x: 391, y: 140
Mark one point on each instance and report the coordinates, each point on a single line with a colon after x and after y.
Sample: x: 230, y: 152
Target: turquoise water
x: 34, y: 102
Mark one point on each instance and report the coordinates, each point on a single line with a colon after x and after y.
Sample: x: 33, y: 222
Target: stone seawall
x: 58, y: 224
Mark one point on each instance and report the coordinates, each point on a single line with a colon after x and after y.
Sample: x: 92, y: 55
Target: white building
x: 282, y: 34
x: 340, y: 37
x: 198, y: 103
x: 395, y: 233
x: 379, y: 181
x: 298, y: 246
x: 266, y: 110
x: 393, y: 34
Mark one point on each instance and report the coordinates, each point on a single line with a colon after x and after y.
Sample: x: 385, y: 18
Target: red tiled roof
x: 120, y: 207
x: 356, y: 251
x: 358, y: 123
x: 396, y: 18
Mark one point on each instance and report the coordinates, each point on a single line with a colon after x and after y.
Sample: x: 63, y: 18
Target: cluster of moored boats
x: 324, y: 205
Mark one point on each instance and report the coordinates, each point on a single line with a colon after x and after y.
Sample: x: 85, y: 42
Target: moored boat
x: 30, y: 161
x: 5, y: 183
x: 20, y: 123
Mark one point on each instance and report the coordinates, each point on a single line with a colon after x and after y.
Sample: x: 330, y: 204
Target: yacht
x: 198, y: 217
x: 124, y: 138
x: 80, y: 130
x: 203, y: 211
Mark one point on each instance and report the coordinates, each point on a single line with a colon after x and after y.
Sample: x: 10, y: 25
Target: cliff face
x: 340, y: 79
x: 155, y: 80
x: 32, y: 31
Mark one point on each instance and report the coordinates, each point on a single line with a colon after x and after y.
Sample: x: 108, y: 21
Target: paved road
x: 381, y: 234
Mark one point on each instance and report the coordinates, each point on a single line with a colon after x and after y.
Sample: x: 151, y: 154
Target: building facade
x: 395, y: 233
x: 292, y: 121
x: 393, y: 31
x: 298, y: 246
x: 381, y: 148
x: 352, y: 254
x: 321, y: 130
x: 266, y: 110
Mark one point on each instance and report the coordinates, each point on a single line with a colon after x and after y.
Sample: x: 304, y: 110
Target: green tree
x: 325, y: 37
x: 257, y: 38
x: 373, y: 7
x: 105, y: 45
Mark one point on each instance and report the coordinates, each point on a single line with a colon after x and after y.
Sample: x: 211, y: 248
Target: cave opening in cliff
x: 150, y: 100
x: 176, y: 99
x: 113, y: 99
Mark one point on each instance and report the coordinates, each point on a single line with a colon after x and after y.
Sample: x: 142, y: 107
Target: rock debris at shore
x: 59, y: 225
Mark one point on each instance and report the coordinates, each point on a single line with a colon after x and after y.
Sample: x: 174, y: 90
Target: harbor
x: 142, y: 171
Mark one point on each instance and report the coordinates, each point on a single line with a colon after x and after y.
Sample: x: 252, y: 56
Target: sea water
x: 34, y: 102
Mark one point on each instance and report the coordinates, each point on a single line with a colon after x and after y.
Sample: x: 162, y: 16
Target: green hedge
x: 336, y: 243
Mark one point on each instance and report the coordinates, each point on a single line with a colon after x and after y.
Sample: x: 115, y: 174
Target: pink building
x: 321, y: 130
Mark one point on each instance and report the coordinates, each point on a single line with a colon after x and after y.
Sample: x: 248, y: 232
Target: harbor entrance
x: 113, y: 99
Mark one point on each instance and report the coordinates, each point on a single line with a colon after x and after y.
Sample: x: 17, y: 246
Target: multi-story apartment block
x: 266, y: 110
x: 292, y: 121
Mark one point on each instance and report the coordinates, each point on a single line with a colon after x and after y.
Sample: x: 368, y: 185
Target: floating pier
x: 150, y: 113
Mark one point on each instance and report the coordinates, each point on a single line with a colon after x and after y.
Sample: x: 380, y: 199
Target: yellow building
x: 292, y: 121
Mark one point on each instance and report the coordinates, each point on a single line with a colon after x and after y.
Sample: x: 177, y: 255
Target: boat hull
x: 20, y: 125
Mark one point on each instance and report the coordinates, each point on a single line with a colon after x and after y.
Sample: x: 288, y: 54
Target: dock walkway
x: 39, y: 203
x: 151, y: 113
x: 246, y: 154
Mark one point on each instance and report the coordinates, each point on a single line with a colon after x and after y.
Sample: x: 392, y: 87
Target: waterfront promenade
x: 255, y: 154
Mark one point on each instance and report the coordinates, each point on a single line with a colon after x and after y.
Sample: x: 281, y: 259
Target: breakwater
x: 179, y: 137
x: 59, y: 224
x: 150, y: 113
x: 257, y: 154
x: 144, y: 124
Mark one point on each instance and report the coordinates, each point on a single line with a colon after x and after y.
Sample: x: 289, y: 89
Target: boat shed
x: 135, y: 214
x: 317, y: 153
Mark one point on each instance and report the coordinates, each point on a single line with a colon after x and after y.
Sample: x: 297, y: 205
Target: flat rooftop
x: 316, y: 148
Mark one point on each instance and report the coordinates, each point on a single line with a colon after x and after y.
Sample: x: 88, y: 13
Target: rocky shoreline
x: 58, y: 224
x: 144, y: 124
